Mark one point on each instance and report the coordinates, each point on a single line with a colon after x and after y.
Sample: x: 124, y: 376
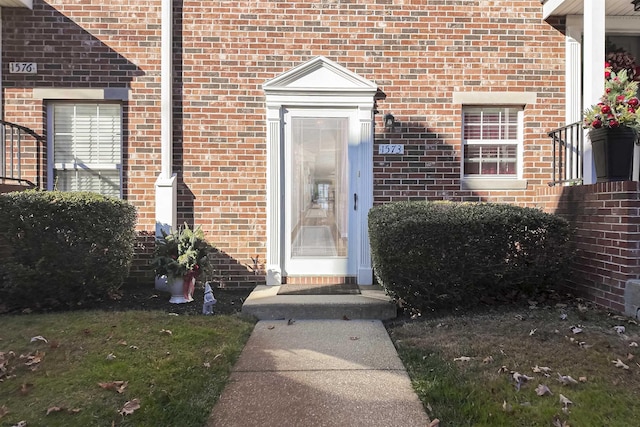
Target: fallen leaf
x: 542, y: 389
x: 74, y: 410
x: 541, y: 369
x: 354, y: 338
x: 434, y: 423
x: 520, y: 379
x: 22, y: 423
x: 619, y: 329
x: 206, y: 364
x: 582, y: 308
x: 566, y: 379
x: 576, y: 329
x: 559, y: 423
x: 503, y: 369
x: 563, y: 316
x: 582, y: 379
x: 506, y: 407
x: 173, y: 314
x: 54, y: 409
x: 633, y: 344
x: 111, y: 356
x: 620, y: 364
x: 565, y: 401
x: 3, y: 411
x: 122, y: 342
x: 519, y: 317
x: 488, y: 359
x: 462, y: 359
x: 133, y: 347
x: 117, y: 386
x: 290, y: 322
x: 630, y: 356
x: 271, y: 327
x: 130, y: 407
x: 345, y: 317
x: 26, y: 388
x: 39, y: 338
x: 166, y: 332
x: 532, y: 332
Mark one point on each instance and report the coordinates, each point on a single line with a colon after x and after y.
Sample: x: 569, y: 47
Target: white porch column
x: 365, y: 191
x: 275, y: 196
x: 166, y: 184
x: 594, y: 33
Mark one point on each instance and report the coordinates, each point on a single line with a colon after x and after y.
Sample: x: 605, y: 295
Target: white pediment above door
x: 320, y: 76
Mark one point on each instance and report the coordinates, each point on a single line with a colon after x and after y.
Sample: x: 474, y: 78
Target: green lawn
x: 174, y: 366
x: 482, y: 391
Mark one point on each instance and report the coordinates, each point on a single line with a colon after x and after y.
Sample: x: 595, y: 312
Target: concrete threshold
x: 264, y: 303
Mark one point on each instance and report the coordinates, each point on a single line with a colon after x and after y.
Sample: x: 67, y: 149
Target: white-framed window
x: 85, y: 147
x: 492, y: 141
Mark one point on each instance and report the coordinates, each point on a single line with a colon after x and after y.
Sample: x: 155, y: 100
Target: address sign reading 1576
x: 23, y: 68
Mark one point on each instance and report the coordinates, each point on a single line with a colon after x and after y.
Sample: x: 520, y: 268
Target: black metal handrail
x: 567, y: 154
x: 12, y: 139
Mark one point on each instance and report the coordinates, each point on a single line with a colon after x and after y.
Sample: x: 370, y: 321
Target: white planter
x: 179, y: 294
x: 161, y: 284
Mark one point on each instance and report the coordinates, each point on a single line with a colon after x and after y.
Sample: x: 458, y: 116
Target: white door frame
x: 319, y: 83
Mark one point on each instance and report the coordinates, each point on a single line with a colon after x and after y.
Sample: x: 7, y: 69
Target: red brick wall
x: 606, y: 218
x: 418, y: 52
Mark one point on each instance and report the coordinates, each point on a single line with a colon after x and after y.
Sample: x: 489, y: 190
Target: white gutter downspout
x: 166, y: 184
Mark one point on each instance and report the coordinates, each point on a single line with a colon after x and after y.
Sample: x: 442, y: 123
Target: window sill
x: 493, y: 184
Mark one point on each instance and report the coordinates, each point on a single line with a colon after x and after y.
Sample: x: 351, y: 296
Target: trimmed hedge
x: 432, y: 255
x: 63, y: 249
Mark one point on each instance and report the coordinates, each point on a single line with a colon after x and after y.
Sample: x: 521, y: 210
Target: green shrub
x: 63, y: 249
x: 441, y: 254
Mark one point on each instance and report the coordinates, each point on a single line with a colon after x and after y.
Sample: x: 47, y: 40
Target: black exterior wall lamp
x: 390, y: 121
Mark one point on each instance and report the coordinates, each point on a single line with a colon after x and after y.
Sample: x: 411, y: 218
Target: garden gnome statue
x: 209, y: 299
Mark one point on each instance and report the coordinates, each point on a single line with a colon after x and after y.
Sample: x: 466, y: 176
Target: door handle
x: 355, y: 202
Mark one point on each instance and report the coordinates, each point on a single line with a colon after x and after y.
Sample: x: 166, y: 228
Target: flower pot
x: 181, y: 289
x: 612, y: 153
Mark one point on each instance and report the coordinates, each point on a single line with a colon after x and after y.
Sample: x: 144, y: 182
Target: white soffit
x: 576, y: 7
x: 17, y: 3
x: 319, y: 75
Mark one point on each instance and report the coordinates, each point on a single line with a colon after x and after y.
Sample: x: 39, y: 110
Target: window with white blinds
x: 492, y: 140
x: 86, y: 142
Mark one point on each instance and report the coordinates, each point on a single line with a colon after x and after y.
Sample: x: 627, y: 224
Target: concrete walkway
x: 319, y: 373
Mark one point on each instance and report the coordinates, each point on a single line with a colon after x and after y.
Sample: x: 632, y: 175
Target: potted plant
x: 614, y: 125
x: 179, y: 258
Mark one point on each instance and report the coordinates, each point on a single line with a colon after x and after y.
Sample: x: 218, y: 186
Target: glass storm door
x: 318, y: 192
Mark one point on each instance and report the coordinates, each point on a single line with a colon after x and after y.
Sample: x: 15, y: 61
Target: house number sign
x: 23, y: 68
x: 391, y: 149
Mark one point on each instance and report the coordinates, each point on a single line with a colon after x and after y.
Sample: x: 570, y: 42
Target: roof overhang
x: 17, y: 3
x: 576, y: 7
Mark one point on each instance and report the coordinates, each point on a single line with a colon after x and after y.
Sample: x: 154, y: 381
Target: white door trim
x: 318, y: 83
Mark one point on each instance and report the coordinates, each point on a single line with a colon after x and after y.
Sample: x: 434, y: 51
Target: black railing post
x: 567, y: 154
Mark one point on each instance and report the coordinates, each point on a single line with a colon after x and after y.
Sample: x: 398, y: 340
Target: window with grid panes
x: 491, y: 141
x: 86, y: 141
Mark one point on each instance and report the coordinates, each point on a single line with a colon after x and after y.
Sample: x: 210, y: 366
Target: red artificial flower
x: 634, y: 102
x: 605, y: 109
x: 596, y: 124
x: 613, y: 123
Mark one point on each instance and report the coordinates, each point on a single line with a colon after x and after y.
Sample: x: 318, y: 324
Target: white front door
x: 320, y: 158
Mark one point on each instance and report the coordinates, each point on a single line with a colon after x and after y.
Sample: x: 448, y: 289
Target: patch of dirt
x: 145, y: 297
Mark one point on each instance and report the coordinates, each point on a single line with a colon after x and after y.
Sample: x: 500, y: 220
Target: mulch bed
x: 145, y: 297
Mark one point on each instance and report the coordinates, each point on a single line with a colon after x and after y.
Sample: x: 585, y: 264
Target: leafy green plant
x: 619, y: 105
x: 63, y: 249
x: 182, y: 252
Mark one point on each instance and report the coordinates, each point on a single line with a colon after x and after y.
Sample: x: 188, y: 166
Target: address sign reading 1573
x: 391, y: 149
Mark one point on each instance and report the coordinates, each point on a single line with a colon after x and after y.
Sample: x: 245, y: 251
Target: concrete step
x: 264, y: 303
